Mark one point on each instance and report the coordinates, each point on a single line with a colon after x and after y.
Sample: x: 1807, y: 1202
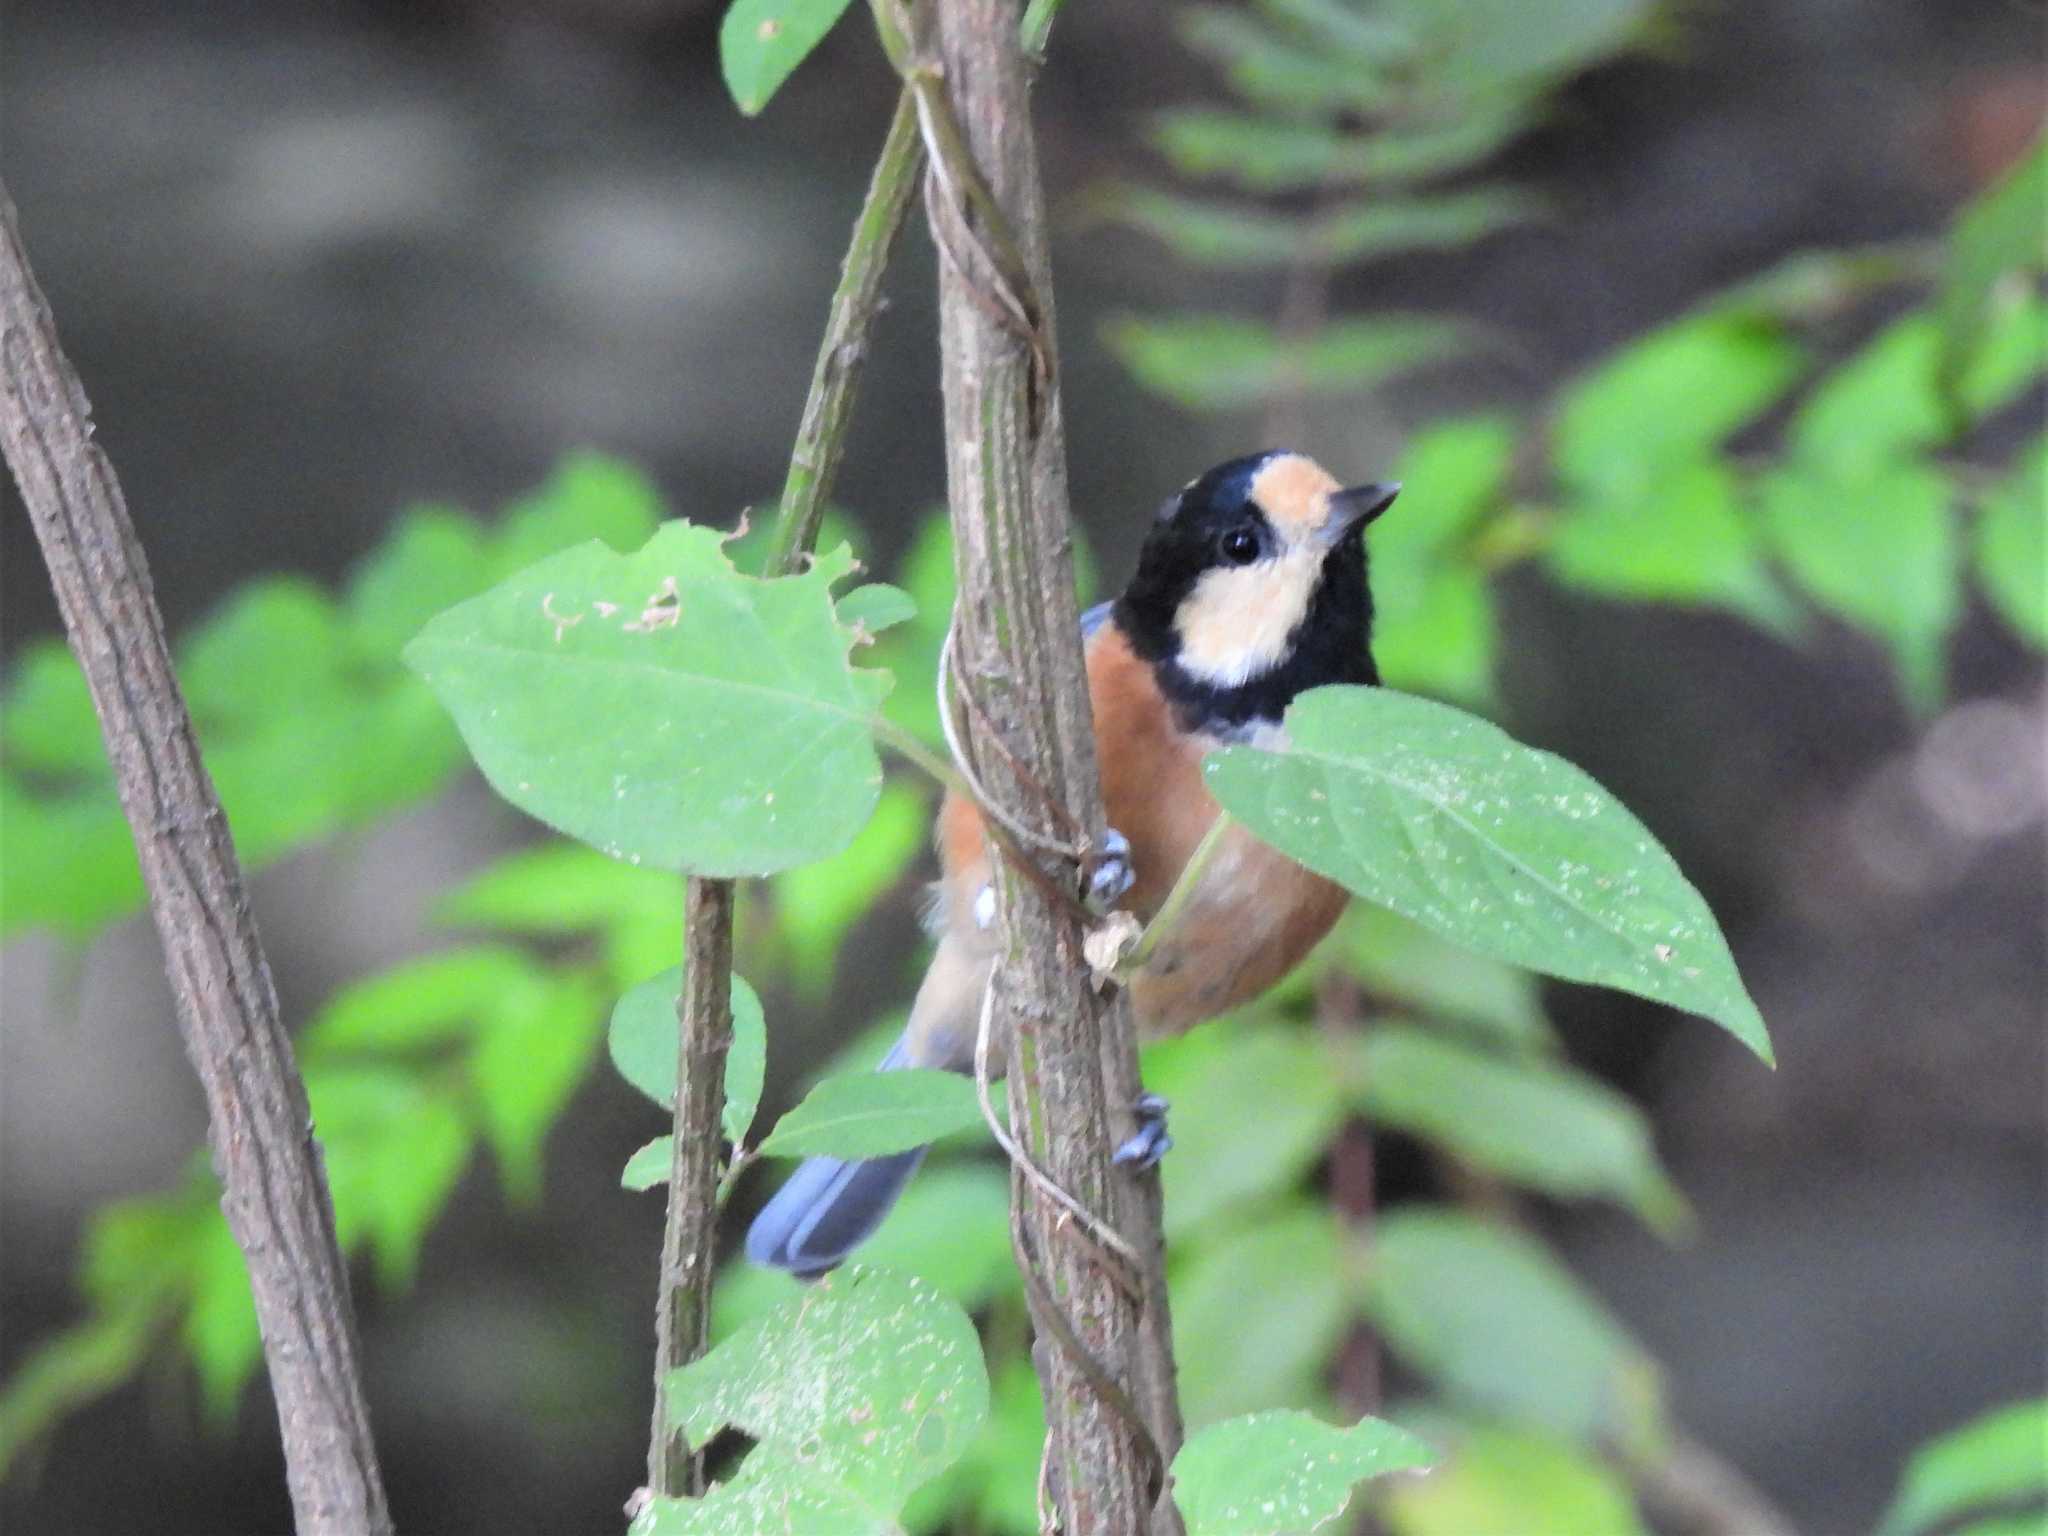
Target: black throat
x: 1333, y: 644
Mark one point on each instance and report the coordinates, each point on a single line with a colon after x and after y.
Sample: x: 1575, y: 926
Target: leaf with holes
x: 863, y: 1388
x: 872, y: 1114
x: 1498, y: 847
x: 761, y: 42
x: 664, y: 707
x: 643, y: 1044
x: 1283, y: 1472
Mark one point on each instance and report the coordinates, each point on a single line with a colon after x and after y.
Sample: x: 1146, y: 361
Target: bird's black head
x: 1251, y: 588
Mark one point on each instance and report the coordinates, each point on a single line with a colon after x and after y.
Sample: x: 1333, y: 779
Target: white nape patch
x: 1235, y: 624
x: 984, y: 906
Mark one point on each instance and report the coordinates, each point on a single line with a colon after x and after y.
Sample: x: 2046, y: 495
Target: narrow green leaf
x: 1265, y: 66
x: 872, y: 1114
x: 761, y: 42
x: 2012, y: 546
x: 1554, y: 1129
x: 605, y: 693
x: 1997, y: 233
x: 648, y: 1167
x: 63, y: 1372
x: 1216, y: 362
x: 1997, y: 1458
x: 870, y: 1381
x: 644, y: 1043
x: 1268, y: 154
x: 219, y: 1331
x: 1234, y: 1358
x: 1498, y: 847
x: 1670, y: 398
x: 1283, y: 1472
x: 1513, y: 1482
x: 1220, y: 235
x: 1872, y: 542
x: 1495, y: 1321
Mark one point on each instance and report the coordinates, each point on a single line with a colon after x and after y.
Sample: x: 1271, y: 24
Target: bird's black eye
x: 1240, y: 546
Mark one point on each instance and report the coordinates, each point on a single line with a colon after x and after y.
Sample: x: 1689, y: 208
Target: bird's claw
x: 1150, y: 1143
x: 1112, y: 875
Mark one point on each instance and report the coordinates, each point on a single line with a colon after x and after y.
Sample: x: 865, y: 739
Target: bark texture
x: 274, y: 1187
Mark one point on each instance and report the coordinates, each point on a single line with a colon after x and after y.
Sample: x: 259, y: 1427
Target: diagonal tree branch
x: 274, y: 1186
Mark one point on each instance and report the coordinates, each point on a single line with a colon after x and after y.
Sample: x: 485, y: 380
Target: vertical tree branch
x: 1072, y: 1053
x: 274, y: 1188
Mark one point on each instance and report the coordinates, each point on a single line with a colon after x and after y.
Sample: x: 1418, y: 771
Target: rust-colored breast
x: 1257, y: 913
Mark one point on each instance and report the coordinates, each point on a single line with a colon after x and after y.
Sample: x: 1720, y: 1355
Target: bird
x: 1250, y: 588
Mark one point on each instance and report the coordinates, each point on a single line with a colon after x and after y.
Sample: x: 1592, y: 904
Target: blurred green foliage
x: 1730, y: 460
x: 1988, y: 1478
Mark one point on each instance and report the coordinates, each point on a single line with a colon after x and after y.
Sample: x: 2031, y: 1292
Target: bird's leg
x: 1150, y: 1143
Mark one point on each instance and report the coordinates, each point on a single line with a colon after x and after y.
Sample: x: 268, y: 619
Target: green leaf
x: 2012, y: 546
x: 876, y: 607
x: 47, y: 722
x: 648, y: 1168
x: 423, y: 1002
x: 1494, y: 1320
x: 1235, y: 1358
x: 1452, y: 474
x: 1279, y: 1473
x: 1405, y: 963
x: 1997, y: 233
x: 527, y: 1063
x: 1513, y: 1482
x: 761, y: 42
x: 219, y: 1331
x: 772, y: 1494
x: 276, y: 639
x: 1293, y: 77
x: 610, y: 695
x: 433, y: 558
x: 1219, y: 1080
x: 1873, y: 543
x: 870, y: 1382
x: 1220, y: 235
x: 70, y: 862
x: 1217, y: 362
x: 1668, y: 399
x: 817, y: 904
x: 1501, y: 848
x: 395, y: 1150
x: 1267, y: 154
x: 1685, y: 539
x: 644, y: 1045
x: 872, y: 1114
x: 1998, y: 1458
x: 1436, y: 634
x: 588, y: 496
x: 1548, y: 1127
x: 63, y: 1372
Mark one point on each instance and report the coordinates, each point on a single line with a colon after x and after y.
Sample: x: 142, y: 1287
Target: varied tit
x: 1250, y: 589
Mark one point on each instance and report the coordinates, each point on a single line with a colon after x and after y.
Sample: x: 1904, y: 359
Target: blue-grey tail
x: 830, y: 1206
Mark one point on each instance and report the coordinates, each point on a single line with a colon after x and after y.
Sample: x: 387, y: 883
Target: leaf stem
x: 1171, y: 910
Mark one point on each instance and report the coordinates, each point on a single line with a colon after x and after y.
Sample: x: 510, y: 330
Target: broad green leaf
x: 772, y: 1494
x: 395, y: 1150
x: 421, y: 1003
x: 1219, y: 1080
x: 1452, y: 474
x: 70, y: 863
x: 816, y: 905
x: 872, y: 1114
x: 2012, y: 546
x: 1873, y: 543
x: 1501, y: 848
x: 1668, y: 399
x: 433, y: 558
x: 1283, y: 1472
x: 648, y: 1168
x: 876, y: 607
x: 1222, y: 235
x: 1236, y: 1358
x: 1683, y: 539
x: 557, y: 887
x: 870, y: 1381
x: 644, y: 1043
x: 1404, y: 963
x: 1998, y: 1458
x: 611, y: 696
x: 761, y: 42
x: 587, y: 496
x: 1998, y: 232
x: 527, y: 1062
x: 1548, y: 1127
x: 1217, y: 362
x: 47, y: 724
x: 279, y: 638
x: 1513, y: 1482
x: 1489, y: 1316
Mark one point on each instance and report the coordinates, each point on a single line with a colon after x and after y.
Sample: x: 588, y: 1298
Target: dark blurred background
x: 315, y: 261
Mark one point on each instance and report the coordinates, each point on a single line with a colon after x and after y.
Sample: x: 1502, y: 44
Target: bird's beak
x: 1357, y: 506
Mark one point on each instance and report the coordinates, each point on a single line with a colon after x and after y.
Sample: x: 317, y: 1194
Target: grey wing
x: 1095, y: 618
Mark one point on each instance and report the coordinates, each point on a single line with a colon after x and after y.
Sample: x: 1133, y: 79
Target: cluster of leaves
x: 1348, y: 121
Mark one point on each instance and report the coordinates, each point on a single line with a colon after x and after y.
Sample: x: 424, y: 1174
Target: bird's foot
x: 1150, y: 1143
x: 1111, y: 875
